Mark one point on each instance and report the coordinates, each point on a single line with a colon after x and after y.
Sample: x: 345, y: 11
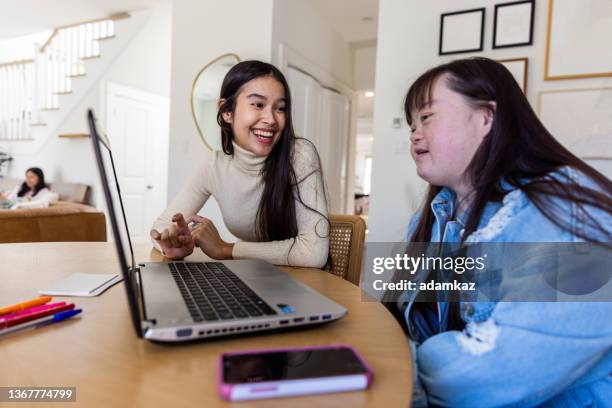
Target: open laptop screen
x: 124, y: 254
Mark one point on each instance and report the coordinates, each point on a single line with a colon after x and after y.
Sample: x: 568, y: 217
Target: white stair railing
x: 30, y: 87
x: 16, y: 80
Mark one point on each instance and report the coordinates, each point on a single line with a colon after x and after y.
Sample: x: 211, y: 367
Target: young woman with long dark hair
x: 33, y: 187
x: 497, y: 175
x: 268, y: 182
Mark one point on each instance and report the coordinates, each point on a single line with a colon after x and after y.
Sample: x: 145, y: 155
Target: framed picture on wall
x: 461, y: 31
x: 518, y: 68
x: 513, y: 24
x: 578, y: 39
x: 580, y: 119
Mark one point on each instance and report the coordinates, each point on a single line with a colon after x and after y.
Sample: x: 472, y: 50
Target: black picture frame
x: 496, y: 38
x: 479, y: 47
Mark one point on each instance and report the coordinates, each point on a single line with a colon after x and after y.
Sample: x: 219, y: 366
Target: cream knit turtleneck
x: 236, y: 183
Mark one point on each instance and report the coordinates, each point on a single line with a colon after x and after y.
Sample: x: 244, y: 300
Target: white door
x: 322, y: 116
x: 306, y: 109
x: 334, y: 146
x: 137, y: 123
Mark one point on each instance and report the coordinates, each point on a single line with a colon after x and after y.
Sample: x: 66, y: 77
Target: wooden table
x: 101, y: 356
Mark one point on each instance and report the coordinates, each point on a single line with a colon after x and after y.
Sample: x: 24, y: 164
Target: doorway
x: 138, y: 123
x: 321, y: 114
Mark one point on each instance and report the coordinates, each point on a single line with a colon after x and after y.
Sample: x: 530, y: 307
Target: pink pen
x: 32, y: 310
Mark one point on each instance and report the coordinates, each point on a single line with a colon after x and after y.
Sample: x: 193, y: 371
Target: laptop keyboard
x: 213, y: 292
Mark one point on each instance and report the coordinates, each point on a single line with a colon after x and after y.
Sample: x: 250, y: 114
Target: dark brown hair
x: 39, y: 186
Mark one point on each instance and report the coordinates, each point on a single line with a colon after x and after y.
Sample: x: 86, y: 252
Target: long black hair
x: 276, y: 216
x: 23, y: 190
x: 518, y: 150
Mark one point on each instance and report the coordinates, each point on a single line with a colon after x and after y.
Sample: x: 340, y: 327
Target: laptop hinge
x: 145, y: 322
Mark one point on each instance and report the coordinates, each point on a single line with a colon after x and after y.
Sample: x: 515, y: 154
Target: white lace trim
x: 499, y: 221
x: 479, y: 338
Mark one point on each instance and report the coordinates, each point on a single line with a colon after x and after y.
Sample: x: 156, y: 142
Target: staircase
x: 34, y: 92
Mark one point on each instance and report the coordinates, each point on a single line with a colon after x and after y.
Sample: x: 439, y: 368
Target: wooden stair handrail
x: 20, y: 62
x: 114, y: 17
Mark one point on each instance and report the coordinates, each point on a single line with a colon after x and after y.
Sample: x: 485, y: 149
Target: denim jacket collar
x: 494, y: 218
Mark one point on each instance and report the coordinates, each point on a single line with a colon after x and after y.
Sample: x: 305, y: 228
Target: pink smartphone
x: 273, y: 373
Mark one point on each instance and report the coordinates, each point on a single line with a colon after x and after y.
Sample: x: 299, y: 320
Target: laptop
x: 179, y: 301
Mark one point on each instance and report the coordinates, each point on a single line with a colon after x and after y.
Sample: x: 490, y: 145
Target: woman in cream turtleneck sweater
x: 268, y: 183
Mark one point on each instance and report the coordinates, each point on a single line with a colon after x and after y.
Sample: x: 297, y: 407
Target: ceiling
x: 346, y: 17
x: 22, y: 17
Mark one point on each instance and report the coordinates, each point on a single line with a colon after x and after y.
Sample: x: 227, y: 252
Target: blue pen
x: 58, y: 317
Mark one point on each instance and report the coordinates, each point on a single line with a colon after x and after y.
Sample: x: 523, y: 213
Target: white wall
x: 146, y: 62
x: 364, y: 63
x: 407, y: 46
x: 143, y: 64
x: 300, y: 26
x: 23, y: 47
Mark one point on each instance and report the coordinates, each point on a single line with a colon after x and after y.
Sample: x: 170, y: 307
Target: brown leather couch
x: 67, y: 220
x: 61, y: 221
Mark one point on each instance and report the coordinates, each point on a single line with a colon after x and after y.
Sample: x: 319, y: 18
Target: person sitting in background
x: 33, y: 189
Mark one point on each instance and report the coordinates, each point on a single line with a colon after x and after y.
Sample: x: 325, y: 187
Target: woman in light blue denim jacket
x: 497, y: 175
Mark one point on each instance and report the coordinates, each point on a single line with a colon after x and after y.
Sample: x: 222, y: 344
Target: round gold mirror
x: 205, y: 98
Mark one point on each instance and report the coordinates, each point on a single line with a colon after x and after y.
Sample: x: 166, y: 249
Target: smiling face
x: 258, y: 119
x: 446, y: 132
x: 31, y: 179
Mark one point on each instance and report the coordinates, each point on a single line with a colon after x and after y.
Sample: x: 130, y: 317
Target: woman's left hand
x: 206, y: 236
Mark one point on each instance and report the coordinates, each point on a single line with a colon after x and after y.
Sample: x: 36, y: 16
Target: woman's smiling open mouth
x: 263, y: 135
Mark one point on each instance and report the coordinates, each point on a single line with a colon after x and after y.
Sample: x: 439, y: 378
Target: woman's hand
x: 175, y: 241
x: 206, y: 236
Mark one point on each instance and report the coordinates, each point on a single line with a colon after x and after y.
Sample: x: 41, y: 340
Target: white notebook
x: 82, y: 284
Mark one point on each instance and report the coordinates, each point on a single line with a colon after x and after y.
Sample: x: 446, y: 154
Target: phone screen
x: 292, y: 365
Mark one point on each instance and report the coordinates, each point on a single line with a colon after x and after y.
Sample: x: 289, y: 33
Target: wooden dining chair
x: 346, y: 240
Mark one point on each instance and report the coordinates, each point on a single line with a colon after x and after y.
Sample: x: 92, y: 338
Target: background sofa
x: 69, y: 219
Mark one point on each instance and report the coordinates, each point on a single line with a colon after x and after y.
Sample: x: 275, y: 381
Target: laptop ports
x: 184, y: 332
